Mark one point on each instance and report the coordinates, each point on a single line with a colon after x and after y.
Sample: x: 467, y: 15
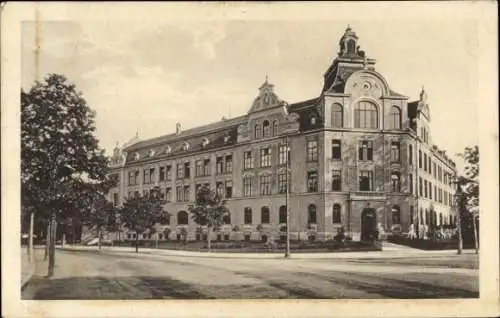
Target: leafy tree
x: 469, y: 190
x: 209, y: 210
x: 101, y: 217
x: 59, y: 153
x: 141, y: 213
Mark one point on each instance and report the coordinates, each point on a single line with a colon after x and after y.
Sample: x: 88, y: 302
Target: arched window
x: 395, y: 181
x: 351, y: 46
x: 365, y: 115
x: 267, y: 128
x: 275, y: 128
x: 248, y: 216
x: 258, y: 131
x: 337, y: 116
x: 311, y: 214
x: 264, y: 215
x: 226, y: 219
x: 182, y: 218
x: 395, y: 120
x: 336, y: 216
x: 283, y: 214
x: 396, y: 214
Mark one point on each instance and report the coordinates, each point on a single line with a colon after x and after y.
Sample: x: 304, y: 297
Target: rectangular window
x: 336, y: 149
x: 132, y: 179
x: 282, y: 182
x: 430, y: 164
x: 336, y: 180
x: 430, y: 190
x: 425, y: 189
x: 152, y: 175
x: 247, y: 186
x: 187, y: 193
x: 282, y: 154
x: 162, y: 194
x: 162, y: 174
x: 410, y: 182
x: 220, y: 189
x: 248, y: 160
x: 366, y: 180
x: 248, y: 216
x: 197, y: 188
x: 199, y: 168
x: 435, y: 193
x: 425, y: 162
x: 312, y: 150
x: 395, y: 181
x: 229, y: 189
x: 420, y: 187
x: 412, y: 214
x: 219, y: 165
x: 179, y: 194
x: 206, y: 167
x: 395, y: 148
x: 445, y: 197
x: 187, y: 170
x: 169, y: 173
x: 168, y: 194
x: 312, y: 181
x: 265, y: 185
x: 434, y: 172
x: 410, y: 155
x: 115, y: 199
x: 365, y: 150
x: 180, y: 171
x: 265, y: 157
x: 229, y: 164
x: 146, y: 178
x: 420, y: 159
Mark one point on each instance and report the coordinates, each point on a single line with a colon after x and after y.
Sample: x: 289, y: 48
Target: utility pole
x: 287, y: 252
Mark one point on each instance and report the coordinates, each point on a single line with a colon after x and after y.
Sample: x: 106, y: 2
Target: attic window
x: 136, y: 156
x: 205, y: 142
x: 313, y: 120
x: 227, y: 139
x: 151, y: 153
x: 186, y: 146
x: 168, y: 150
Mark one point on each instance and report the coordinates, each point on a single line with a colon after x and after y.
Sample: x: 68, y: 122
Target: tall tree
x: 101, y: 217
x: 209, y: 210
x: 469, y: 184
x: 141, y: 213
x: 59, y: 153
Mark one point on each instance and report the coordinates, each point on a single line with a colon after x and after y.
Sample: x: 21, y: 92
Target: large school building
x: 360, y: 157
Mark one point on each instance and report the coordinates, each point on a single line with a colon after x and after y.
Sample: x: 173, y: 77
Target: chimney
x: 178, y: 128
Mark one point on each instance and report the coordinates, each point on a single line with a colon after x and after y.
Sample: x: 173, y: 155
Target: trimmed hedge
x: 428, y: 244
x: 258, y: 246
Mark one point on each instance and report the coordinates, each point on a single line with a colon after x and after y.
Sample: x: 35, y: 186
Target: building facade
x: 360, y: 157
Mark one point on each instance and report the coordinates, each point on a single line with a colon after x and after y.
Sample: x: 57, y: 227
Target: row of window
x: 265, y: 216
x: 431, y: 217
x: 440, y: 195
x: 365, y: 116
x: 224, y: 164
x: 426, y: 163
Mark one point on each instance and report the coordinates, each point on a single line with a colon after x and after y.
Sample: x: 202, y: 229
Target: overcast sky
x: 147, y: 75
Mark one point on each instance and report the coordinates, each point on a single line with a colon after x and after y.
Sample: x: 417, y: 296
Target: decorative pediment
x: 267, y: 98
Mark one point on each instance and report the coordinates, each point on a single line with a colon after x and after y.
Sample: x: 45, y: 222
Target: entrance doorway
x: 368, y: 224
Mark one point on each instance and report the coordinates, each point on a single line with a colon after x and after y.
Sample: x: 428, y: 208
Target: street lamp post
x: 287, y: 252
x: 456, y: 200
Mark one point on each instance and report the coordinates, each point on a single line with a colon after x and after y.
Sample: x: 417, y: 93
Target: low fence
x: 428, y: 244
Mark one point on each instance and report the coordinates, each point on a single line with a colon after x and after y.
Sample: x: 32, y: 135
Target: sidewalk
x: 392, y: 253
x: 28, y: 268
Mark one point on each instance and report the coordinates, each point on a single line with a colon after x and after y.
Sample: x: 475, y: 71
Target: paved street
x: 104, y: 275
